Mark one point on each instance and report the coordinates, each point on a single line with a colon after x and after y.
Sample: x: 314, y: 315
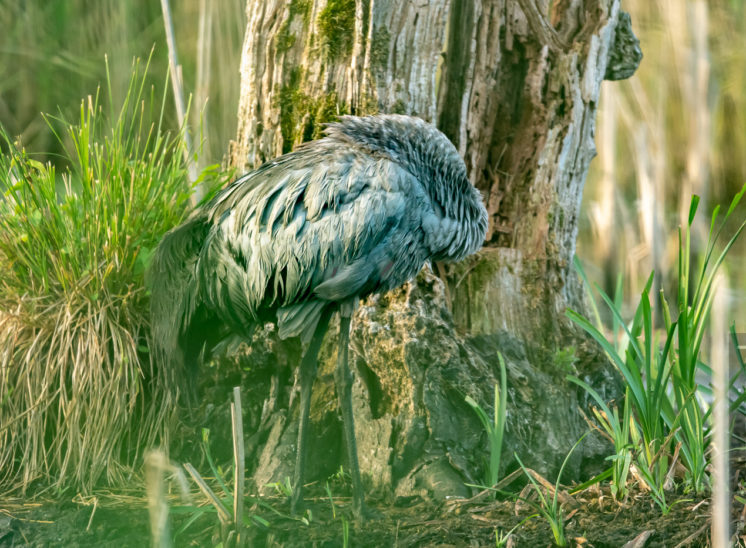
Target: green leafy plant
x: 668, y: 415
x: 646, y: 371
x: 643, y: 436
x: 229, y: 507
x: 550, y: 508
x: 693, y: 309
x: 283, y: 488
x: 339, y: 475
x: 618, y: 431
x: 502, y: 537
x: 494, y: 427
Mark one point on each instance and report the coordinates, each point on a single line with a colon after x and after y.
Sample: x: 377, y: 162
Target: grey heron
x: 306, y: 235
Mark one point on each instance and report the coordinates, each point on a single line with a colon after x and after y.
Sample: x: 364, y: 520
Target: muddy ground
x: 592, y: 520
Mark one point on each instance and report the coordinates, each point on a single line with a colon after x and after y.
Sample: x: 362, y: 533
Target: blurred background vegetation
x: 677, y: 127
x: 52, y: 55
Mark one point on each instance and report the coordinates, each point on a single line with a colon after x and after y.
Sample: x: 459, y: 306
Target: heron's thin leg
x: 307, y: 374
x: 343, y: 377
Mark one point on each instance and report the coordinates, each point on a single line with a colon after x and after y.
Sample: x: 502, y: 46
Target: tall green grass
x: 694, y: 301
x: 659, y: 369
x: 75, y: 373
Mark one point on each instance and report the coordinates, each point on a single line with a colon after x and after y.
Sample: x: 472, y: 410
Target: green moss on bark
x: 379, y: 48
x: 398, y: 107
x: 336, y: 25
x: 286, y: 40
x: 328, y: 109
x: 302, y: 117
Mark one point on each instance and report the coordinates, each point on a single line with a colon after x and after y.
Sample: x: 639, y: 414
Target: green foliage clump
x: 665, y: 416
x: 74, y: 366
x: 336, y: 24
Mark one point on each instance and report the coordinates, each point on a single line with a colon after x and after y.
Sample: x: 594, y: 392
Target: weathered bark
x: 517, y: 94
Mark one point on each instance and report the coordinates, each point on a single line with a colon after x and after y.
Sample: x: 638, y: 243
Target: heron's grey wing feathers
x: 356, y: 243
x: 322, y: 225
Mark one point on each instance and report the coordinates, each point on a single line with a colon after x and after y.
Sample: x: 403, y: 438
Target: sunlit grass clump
x: 74, y: 368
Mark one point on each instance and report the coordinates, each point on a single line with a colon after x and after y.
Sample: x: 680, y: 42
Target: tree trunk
x: 516, y: 91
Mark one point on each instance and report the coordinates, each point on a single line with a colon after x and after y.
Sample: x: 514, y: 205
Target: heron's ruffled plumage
x: 356, y: 212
